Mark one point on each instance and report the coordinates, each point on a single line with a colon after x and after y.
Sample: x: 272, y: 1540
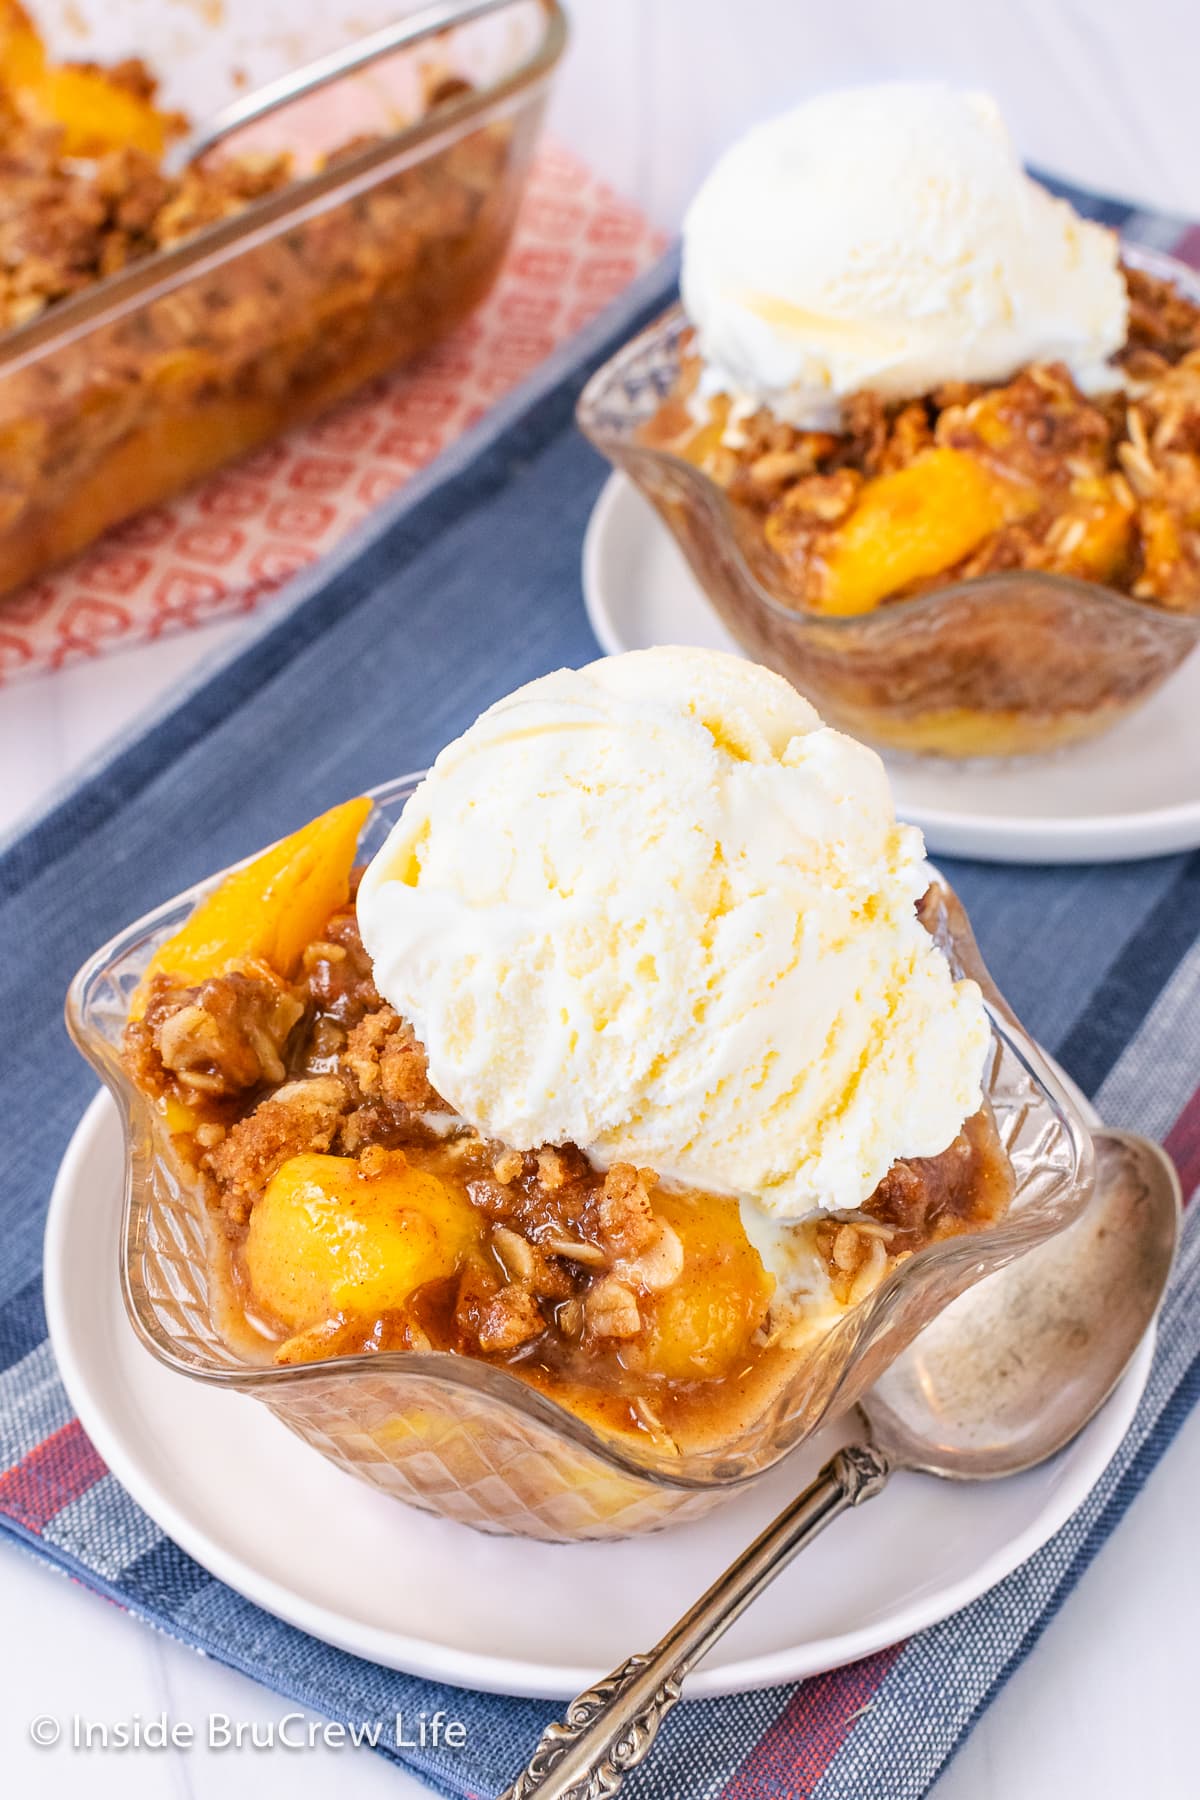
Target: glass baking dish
x: 470, y: 1440
x: 995, y: 666
x: 119, y: 397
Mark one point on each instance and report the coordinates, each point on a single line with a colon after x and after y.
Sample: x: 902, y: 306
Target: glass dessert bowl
x: 930, y: 449
x: 575, y: 1353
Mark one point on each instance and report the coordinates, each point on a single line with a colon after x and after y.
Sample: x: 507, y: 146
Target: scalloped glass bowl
x: 996, y: 666
x: 471, y: 1441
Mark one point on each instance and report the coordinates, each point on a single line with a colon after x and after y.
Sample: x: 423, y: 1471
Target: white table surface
x: 1104, y: 91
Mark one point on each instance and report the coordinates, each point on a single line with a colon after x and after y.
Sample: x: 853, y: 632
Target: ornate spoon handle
x: 609, y: 1729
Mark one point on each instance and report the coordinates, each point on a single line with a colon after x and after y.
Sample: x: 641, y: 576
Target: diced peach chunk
x: 700, y: 1327
x: 914, y: 523
x: 1095, y: 531
x: 270, y: 909
x: 327, y: 1240
x: 96, y: 115
x: 94, y: 112
x: 1162, y: 547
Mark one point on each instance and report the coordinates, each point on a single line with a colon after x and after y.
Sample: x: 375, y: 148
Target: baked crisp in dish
x: 975, y: 479
x: 174, y: 371
x: 356, y: 1210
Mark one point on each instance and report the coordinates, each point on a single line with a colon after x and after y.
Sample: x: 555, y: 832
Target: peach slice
x: 269, y: 909
x: 914, y: 523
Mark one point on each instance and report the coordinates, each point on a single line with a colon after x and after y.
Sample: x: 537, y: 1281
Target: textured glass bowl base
x: 444, y: 1451
x: 468, y: 1439
x: 965, y: 734
x: 1000, y: 665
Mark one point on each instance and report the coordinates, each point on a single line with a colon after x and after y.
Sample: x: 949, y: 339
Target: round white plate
x: 273, y: 1519
x: 1133, y: 792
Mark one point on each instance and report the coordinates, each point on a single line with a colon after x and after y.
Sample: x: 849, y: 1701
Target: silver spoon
x: 1002, y: 1380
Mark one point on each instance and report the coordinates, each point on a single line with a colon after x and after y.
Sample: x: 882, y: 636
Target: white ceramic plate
x: 273, y: 1519
x: 1133, y: 792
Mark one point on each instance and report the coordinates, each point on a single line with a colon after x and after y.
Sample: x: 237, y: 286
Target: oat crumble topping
x: 1104, y: 488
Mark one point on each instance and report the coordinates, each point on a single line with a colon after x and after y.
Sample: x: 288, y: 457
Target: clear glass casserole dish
x: 469, y: 1439
x: 995, y: 666
x: 120, y: 396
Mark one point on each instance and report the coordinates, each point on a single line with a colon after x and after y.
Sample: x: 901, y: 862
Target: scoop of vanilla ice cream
x: 656, y: 908
x: 887, y: 237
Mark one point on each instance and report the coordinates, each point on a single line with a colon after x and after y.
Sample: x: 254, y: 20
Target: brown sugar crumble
x: 1103, y: 488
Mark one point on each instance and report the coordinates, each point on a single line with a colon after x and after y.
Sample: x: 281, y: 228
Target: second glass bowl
x: 468, y: 1439
x: 995, y: 666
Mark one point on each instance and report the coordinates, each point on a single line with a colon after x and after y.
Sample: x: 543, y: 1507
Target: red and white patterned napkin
x: 231, y: 542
